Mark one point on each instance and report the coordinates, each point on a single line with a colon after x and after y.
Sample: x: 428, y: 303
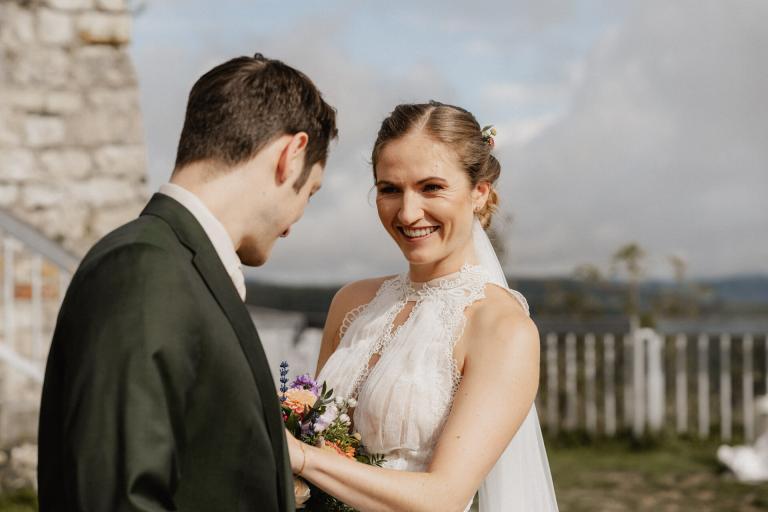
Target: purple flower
x: 306, y: 382
x: 306, y: 428
x: 325, y: 419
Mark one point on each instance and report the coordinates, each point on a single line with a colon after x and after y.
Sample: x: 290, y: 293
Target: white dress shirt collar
x: 214, y: 229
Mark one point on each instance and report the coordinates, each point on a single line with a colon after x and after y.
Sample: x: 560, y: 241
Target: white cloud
x: 658, y: 135
x: 663, y: 144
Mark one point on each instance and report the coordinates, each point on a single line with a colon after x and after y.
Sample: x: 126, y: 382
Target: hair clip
x: 488, y: 133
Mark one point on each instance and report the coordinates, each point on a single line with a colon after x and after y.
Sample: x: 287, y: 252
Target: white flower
x: 325, y: 419
x: 352, y: 402
x: 339, y: 402
x: 344, y: 418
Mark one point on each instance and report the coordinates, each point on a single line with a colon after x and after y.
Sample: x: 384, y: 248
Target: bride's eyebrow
x: 431, y: 178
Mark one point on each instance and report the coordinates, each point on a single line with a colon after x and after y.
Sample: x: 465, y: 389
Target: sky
x: 618, y: 121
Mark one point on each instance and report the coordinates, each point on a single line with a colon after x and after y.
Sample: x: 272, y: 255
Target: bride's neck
x: 420, y: 273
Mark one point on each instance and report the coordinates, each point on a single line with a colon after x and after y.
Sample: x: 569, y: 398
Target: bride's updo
x: 456, y: 128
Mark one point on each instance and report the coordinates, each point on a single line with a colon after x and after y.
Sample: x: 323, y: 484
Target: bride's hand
x: 295, y: 452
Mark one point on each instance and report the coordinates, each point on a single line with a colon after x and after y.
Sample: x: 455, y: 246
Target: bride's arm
x: 501, y: 374
x: 346, y: 299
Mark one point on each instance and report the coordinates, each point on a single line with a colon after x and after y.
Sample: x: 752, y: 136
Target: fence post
x: 552, y: 391
x: 703, y: 385
x: 609, y: 357
x: 571, y: 399
x: 628, y: 405
x: 589, y: 378
x: 681, y: 384
x: 726, y: 416
x: 747, y: 386
x: 638, y: 381
x: 655, y: 380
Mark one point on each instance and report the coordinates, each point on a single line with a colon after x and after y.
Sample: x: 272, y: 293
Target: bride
x: 443, y: 359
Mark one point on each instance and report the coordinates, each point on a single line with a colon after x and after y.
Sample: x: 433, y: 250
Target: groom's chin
x: 253, y: 257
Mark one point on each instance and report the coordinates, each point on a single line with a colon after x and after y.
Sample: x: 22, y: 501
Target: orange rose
x: 298, y: 399
x: 330, y: 446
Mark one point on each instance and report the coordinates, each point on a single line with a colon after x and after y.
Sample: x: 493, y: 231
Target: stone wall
x: 72, y: 159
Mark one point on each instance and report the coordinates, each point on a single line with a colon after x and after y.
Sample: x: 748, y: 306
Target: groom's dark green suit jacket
x: 157, y: 393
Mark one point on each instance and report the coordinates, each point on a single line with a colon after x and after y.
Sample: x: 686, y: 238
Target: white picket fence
x: 35, y: 273
x: 645, y: 383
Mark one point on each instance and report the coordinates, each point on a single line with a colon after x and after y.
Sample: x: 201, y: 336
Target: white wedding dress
x: 404, y: 378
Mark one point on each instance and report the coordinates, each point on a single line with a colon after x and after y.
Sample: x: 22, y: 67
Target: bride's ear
x: 480, y: 194
x: 291, y: 161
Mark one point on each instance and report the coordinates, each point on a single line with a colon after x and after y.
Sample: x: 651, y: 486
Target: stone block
x: 8, y: 194
x: 70, y: 5
x: 10, y: 128
x: 62, y: 102
x: 55, y: 27
x: 17, y: 30
x: 46, y: 66
x: 43, y: 131
x: 104, y: 28
x: 66, y: 163
x: 105, y: 220
x: 63, y: 222
x: 41, y: 195
x: 111, y: 5
x: 128, y: 161
x: 97, y: 127
x: 103, y: 192
x: 125, y: 100
x: 103, y: 66
x: 30, y: 99
x: 18, y: 165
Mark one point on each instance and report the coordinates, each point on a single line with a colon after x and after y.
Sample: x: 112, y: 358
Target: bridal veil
x: 520, y: 481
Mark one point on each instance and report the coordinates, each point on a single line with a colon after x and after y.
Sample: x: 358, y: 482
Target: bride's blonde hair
x: 456, y: 128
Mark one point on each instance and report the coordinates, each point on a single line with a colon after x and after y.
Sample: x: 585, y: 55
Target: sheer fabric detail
x: 350, y: 317
x: 405, y: 397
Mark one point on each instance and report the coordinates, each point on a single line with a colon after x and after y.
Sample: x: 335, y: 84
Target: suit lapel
x: 211, y: 269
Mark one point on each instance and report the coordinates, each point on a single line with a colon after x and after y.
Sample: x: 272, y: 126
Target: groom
x: 157, y: 391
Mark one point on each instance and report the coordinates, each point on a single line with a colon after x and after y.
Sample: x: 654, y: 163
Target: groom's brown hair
x: 238, y: 107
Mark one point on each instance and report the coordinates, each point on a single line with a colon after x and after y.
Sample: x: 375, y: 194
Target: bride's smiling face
x: 426, y: 202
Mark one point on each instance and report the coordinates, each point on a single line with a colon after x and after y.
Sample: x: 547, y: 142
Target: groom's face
x: 287, y: 208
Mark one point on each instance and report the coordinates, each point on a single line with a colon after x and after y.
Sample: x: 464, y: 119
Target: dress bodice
x: 404, y: 377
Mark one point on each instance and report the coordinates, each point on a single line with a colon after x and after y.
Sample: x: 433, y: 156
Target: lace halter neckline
x: 450, y: 283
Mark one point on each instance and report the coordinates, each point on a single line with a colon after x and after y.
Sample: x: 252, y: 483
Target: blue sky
x: 618, y: 121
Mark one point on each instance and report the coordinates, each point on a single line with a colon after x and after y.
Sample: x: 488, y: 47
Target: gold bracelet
x: 304, y: 458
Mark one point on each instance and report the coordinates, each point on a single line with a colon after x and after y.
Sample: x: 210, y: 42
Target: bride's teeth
x: 415, y: 233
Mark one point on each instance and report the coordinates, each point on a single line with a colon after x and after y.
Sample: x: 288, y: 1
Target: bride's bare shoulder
x: 346, y: 300
x: 356, y: 294
x: 501, y: 317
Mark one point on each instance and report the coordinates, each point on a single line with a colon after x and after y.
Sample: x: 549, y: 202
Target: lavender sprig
x: 283, y: 379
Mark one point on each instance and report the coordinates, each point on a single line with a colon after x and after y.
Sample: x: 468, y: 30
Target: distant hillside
x: 565, y: 297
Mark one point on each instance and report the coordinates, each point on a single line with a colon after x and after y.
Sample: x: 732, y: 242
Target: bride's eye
x: 433, y: 187
x: 387, y: 189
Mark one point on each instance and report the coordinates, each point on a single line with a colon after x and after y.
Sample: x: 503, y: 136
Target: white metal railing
x: 35, y: 273
x: 650, y: 382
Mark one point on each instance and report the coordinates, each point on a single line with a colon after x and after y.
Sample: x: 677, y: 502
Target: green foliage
x: 24, y: 500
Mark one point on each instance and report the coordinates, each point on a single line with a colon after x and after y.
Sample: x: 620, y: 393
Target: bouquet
x: 314, y: 416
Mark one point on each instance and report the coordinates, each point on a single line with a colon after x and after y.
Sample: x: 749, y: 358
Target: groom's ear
x: 291, y: 161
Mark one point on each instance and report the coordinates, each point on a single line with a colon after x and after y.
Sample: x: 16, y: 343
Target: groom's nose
x: 410, y: 209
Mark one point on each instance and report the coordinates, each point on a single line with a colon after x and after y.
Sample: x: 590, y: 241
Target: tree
x: 631, y: 257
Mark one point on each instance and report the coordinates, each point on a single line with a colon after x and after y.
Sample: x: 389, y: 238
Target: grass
x: 673, y: 475
x: 621, y: 475
x: 19, y: 501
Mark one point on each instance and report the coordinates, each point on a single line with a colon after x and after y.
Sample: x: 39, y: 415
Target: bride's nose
x: 411, y: 209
